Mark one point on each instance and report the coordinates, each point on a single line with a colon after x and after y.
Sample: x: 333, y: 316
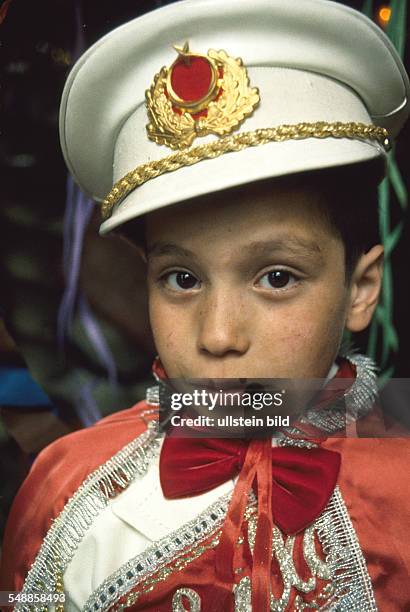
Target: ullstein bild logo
x: 230, y: 421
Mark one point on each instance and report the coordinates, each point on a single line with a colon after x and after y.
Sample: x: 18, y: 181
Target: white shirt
x: 129, y: 524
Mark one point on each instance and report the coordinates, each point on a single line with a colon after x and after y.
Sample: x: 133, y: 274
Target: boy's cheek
x: 303, y: 340
x: 304, y: 347
x: 308, y: 352
x: 172, y: 334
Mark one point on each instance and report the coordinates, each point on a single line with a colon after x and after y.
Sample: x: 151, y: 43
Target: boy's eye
x: 181, y: 281
x: 277, y: 279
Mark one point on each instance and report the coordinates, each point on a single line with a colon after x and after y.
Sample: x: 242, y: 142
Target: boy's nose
x: 222, y: 327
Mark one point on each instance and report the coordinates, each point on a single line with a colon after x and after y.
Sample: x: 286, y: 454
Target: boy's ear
x: 365, y: 289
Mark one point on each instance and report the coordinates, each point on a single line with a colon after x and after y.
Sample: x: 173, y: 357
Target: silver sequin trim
x: 69, y: 528
x: 358, y: 400
x: 152, y: 396
x: 353, y: 591
x: 282, y: 550
x: 296, y: 443
x: 193, y: 598
x: 362, y: 395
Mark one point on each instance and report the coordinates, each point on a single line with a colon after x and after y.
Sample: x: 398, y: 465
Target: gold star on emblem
x: 184, y: 53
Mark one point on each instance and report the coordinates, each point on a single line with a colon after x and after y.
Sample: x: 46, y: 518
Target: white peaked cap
x: 312, y: 60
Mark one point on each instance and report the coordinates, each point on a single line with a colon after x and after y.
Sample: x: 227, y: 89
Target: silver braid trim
x: 361, y: 396
x: 152, y: 396
x: 353, y: 591
x: 358, y: 400
x: 69, y: 528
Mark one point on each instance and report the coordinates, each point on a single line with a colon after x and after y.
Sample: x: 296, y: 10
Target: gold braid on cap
x: 238, y: 142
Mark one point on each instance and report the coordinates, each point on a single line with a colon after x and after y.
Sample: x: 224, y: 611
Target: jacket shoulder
x: 55, y: 475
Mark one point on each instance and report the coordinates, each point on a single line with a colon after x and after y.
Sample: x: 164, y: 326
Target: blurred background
x: 74, y: 336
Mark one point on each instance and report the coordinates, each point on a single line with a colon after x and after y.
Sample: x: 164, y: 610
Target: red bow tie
x: 302, y: 479
x: 293, y: 488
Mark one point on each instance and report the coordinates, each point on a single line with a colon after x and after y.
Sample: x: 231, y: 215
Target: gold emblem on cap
x: 225, y: 101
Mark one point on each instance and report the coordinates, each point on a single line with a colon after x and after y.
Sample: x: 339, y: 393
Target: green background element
x: 383, y: 338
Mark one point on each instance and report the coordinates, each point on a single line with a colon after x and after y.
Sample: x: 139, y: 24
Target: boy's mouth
x: 220, y: 384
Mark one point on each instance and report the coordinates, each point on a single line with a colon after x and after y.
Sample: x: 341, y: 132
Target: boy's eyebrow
x: 295, y: 245
x: 168, y: 248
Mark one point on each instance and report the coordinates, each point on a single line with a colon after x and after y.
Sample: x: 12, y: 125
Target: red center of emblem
x: 191, y: 79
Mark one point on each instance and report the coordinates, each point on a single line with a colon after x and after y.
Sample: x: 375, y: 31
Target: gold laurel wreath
x: 177, y: 131
x: 238, y: 142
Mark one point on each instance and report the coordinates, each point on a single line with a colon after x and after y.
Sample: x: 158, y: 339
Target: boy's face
x: 248, y: 285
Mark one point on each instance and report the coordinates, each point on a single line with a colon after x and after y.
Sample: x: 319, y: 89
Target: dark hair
x: 349, y: 203
x: 134, y: 231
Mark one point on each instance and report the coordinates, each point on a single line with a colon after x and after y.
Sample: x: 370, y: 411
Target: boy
x: 254, y: 272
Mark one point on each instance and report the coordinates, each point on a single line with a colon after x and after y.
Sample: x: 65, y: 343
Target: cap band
x: 228, y: 144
